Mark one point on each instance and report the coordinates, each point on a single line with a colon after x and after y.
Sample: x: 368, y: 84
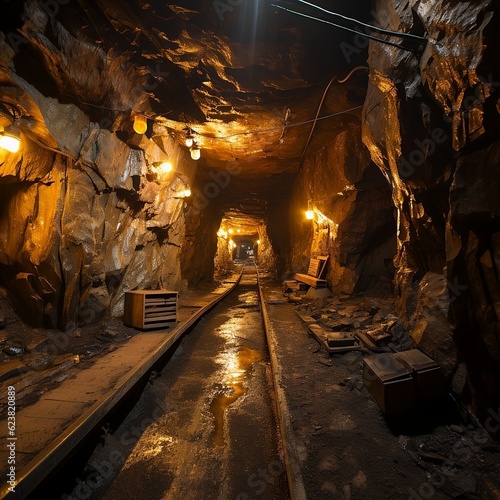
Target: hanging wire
x: 371, y: 37
x: 99, y: 106
x: 274, y: 129
x: 45, y: 146
x: 357, y: 68
x: 374, y: 28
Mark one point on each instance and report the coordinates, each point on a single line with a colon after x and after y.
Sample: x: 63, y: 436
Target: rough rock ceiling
x: 240, y: 74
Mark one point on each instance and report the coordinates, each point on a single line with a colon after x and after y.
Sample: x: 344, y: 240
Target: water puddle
x: 248, y: 298
x: 237, y: 365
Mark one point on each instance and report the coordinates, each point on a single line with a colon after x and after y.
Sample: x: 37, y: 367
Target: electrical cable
x: 371, y: 37
x: 273, y: 129
x: 321, y: 105
x: 374, y: 28
x: 357, y: 68
x: 49, y: 148
x: 316, y: 118
x: 115, y: 109
x: 248, y: 132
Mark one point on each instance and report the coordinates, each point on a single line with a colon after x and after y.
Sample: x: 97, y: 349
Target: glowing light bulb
x: 165, y: 167
x: 309, y: 214
x: 230, y: 231
x: 195, y: 152
x: 258, y: 242
x: 140, y: 124
x: 10, y: 140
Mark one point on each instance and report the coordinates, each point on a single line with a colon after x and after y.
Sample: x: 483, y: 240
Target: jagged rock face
x: 85, y: 240
x: 430, y: 123
x: 83, y: 214
x: 222, y: 69
x: 354, y: 222
x: 81, y: 226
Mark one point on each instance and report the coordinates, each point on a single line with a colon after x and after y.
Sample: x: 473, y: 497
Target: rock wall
x: 275, y: 250
x: 85, y: 214
x: 354, y: 221
x: 200, y: 245
x: 430, y: 122
x: 75, y: 241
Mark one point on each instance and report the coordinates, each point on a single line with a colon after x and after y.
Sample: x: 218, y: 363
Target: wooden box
x: 149, y: 309
x: 391, y: 383
x: 427, y: 373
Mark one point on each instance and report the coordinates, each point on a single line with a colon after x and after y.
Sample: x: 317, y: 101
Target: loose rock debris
x: 363, y: 321
x: 458, y: 459
x: 35, y: 359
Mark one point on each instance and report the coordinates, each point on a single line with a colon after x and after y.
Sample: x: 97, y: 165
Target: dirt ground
x: 35, y: 360
x: 348, y: 448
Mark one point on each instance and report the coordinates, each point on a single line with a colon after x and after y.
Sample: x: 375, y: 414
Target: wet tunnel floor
x: 207, y: 426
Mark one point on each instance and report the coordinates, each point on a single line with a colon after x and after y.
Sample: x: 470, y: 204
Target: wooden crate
x: 427, y: 373
x: 391, y: 383
x: 149, y: 309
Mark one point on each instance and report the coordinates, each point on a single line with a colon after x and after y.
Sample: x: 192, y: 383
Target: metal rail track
x: 292, y: 463
x: 61, y: 449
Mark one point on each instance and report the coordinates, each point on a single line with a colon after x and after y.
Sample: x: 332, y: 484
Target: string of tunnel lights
x: 10, y: 138
x: 12, y: 133
x: 227, y: 235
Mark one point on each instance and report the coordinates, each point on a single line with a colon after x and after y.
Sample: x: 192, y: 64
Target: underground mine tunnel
x: 176, y: 146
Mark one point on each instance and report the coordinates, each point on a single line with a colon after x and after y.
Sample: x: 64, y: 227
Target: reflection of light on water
x: 157, y: 446
x: 237, y: 364
x: 238, y: 321
x: 229, y: 328
x: 248, y: 297
x: 148, y: 446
